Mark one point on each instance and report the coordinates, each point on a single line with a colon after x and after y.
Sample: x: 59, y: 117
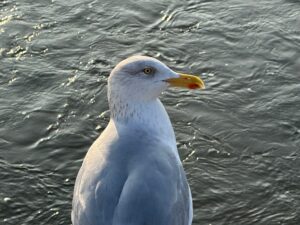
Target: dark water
x: 239, y: 139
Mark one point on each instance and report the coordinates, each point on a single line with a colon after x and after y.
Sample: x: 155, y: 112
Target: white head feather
x: 135, y: 83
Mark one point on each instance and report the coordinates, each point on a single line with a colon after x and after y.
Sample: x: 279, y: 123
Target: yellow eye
x: 148, y: 70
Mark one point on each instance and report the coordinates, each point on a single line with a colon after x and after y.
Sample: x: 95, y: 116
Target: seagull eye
x: 148, y: 70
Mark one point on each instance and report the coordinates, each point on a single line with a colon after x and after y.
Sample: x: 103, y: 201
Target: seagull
x: 132, y: 173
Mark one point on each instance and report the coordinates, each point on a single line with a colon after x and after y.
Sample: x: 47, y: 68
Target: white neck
x: 140, y: 114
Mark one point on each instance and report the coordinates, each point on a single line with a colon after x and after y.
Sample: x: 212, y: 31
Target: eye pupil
x: 148, y: 70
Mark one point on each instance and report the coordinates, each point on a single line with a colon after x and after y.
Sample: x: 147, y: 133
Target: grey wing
x: 95, y: 197
x: 78, y: 215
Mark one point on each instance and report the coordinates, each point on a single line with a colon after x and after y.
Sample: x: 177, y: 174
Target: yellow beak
x: 186, y: 81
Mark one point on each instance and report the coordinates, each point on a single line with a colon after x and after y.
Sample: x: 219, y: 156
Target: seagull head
x: 142, y: 78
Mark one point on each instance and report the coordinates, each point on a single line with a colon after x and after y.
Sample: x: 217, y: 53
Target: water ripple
x: 238, y: 139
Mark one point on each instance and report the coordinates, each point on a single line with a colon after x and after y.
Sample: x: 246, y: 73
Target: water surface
x: 239, y: 139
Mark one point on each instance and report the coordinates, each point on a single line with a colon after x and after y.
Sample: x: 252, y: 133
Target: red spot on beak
x: 193, y: 86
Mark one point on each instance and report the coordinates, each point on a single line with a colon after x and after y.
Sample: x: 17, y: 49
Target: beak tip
x: 202, y: 86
